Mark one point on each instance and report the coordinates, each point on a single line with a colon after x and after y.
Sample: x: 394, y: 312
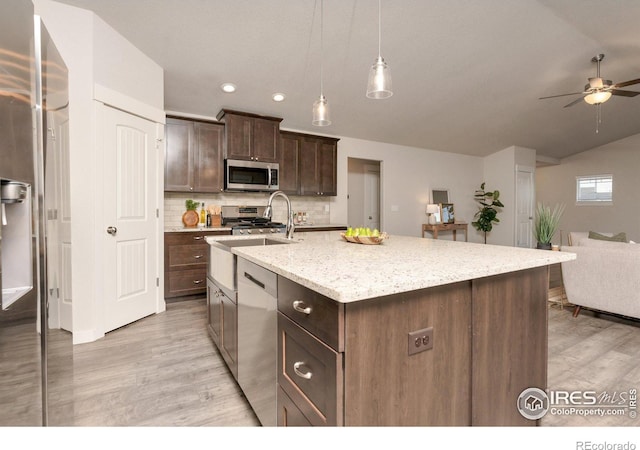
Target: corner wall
x: 557, y: 184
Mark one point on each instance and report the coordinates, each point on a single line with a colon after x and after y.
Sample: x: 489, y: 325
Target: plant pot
x: 543, y: 246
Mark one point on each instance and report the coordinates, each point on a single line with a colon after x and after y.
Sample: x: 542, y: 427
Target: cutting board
x: 190, y: 219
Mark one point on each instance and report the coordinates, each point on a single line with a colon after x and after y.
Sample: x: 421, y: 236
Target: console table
x: 435, y: 229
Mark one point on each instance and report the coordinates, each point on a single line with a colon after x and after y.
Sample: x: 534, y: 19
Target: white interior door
x: 130, y: 228
x: 372, y: 196
x: 524, y: 206
x: 58, y: 200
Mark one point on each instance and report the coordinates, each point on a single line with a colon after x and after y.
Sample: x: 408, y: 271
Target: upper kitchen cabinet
x: 249, y: 136
x: 290, y: 144
x: 193, y: 156
x: 318, y: 166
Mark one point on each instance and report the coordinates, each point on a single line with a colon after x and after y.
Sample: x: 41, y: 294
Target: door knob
x: 112, y: 230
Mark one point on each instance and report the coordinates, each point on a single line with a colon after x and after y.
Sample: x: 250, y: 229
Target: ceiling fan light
x: 321, y: 112
x: 595, y: 98
x: 379, y: 85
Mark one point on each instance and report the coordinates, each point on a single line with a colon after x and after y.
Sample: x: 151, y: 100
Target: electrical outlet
x: 420, y: 340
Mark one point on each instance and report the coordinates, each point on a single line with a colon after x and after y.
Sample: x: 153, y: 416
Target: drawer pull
x: 197, y: 256
x: 197, y: 238
x: 296, y: 369
x: 298, y: 305
x: 197, y: 281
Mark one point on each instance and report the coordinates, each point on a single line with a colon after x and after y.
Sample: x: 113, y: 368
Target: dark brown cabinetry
x: 349, y: 364
x: 318, y: 166
x: 222, y: 323
x: 250, y: 136
x: 193, y: 156
x: 186, y: 254
x: 290, y: 144
x: 308, y: 164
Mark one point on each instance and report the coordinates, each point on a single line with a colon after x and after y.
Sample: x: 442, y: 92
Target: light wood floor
x: 165, y: 371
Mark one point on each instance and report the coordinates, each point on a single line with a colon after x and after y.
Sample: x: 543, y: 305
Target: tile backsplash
x: 317, y: 208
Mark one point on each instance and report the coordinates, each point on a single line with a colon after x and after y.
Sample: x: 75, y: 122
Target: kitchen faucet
x: 268, y: 209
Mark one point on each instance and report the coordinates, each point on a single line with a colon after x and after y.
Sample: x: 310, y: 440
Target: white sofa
x: 605, y: 275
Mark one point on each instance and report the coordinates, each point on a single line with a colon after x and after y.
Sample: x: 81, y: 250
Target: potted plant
x: 191, y: 218
x: 488, y: 214
x: 546, y: 224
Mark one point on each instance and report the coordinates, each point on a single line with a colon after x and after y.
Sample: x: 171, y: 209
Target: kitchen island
x: 409, y: 332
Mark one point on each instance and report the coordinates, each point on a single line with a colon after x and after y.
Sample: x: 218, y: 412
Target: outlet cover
x: 420, y: 340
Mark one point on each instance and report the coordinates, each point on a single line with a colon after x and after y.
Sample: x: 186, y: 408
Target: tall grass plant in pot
x: 546, y: 224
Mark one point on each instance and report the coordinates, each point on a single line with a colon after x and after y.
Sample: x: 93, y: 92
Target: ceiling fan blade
x: 561, y: 95
x: 626, y: 83
x: 574, y: 102
x: 624, y: 93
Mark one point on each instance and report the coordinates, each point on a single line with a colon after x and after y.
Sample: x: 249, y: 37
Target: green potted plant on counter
x: 487, y: 215
x: 546, y: 224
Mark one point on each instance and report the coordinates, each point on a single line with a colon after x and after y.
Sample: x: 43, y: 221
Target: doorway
x: 364, y: 196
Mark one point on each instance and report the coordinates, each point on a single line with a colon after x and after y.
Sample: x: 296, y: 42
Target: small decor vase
x: 543, y: 246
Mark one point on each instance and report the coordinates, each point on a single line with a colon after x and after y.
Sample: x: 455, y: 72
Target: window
x: 597, y: 189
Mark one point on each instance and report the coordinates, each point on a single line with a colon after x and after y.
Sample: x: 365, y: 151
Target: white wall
x: 407, y: 175
x: 500, y: 175
x: 96, y: 56
x: 557, y: 184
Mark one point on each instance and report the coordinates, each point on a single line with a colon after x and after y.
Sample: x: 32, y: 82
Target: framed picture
x: 439, y: 196
x: 446, y: 212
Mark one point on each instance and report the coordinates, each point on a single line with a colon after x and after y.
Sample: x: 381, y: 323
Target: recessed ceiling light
x: 278, y: 97
x: 228, y: 87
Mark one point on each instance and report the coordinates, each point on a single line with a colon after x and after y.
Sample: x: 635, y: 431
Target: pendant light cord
x: 379, y: 27
x: 321, y: 45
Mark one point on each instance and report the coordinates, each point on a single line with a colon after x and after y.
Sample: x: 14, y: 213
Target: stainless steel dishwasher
x: 257, y: 339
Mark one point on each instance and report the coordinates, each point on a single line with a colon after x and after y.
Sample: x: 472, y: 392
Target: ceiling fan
x: 599, y: 90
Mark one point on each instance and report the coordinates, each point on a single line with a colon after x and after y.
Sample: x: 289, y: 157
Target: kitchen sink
x: 223, y: 263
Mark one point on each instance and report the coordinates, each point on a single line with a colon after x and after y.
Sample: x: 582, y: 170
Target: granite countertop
x: 192, y: 229
x: 348, y: 272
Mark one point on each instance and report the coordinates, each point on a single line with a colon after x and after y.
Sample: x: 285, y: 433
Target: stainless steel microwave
x: 242, y: 175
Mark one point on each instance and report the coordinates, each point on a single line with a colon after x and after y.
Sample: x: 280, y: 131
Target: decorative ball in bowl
x: 364, y: 236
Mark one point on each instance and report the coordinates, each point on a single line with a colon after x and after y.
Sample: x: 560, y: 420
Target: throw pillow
x: 597, y: 243
x: 620, y: 237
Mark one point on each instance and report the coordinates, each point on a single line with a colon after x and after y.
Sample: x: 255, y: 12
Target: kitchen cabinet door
x: 289, y: 163
x: 214, y: 313
x: 229, y: 348
x: 265, y: 140
x: 250, y: 137
x: 318, y: 163
x: 178, y: 166
x: 208, y: 158
x: 193, y: 156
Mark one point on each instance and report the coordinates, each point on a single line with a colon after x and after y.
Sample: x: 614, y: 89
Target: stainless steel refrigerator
x: 31, y: 70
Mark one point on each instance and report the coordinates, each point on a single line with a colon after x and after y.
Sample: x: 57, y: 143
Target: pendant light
x: 379, y: 85
x: 320, y: 106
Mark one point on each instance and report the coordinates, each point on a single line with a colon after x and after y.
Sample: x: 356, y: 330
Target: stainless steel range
x: 246, y: 220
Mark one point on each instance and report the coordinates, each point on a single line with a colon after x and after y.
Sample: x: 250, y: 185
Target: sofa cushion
x: 575, y: 236
x: 586, y: 242
x: 620, y: 237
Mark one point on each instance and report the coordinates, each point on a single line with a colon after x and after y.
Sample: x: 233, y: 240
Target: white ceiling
x: 467, y: 74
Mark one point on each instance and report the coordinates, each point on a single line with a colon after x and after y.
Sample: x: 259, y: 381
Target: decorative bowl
x: 367, y: 240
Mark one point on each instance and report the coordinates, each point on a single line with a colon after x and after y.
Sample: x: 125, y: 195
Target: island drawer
x: 289, y: 415
x: 319, y: 315
x: 310, y: 373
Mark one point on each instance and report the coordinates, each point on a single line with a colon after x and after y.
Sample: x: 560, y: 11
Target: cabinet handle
x: 197, y: 238
x: 197, y: 256
x: 298, y: 305
x: 197, y: 281
x: 296, y: 367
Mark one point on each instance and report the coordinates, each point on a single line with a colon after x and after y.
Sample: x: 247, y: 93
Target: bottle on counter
x: 208, y: 219
x: 203, y: 215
